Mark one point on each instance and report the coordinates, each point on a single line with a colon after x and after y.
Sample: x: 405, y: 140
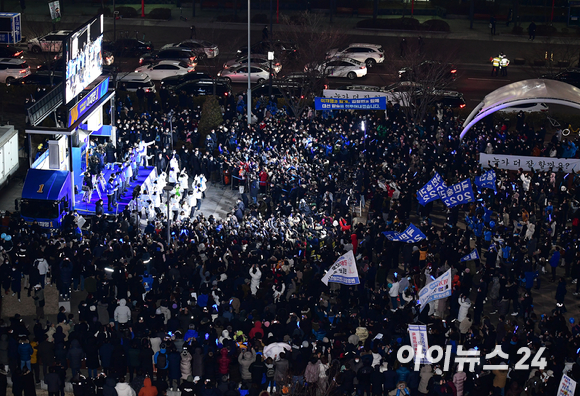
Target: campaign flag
x: 430, y: 191
x: 418, y: 336
x: 487, y: 180
x: 567, y: 386
x: 343, y: 271
x: 457, y: 194
x: 436, y: 290
x: 411, y: 235
x: 471, y: 256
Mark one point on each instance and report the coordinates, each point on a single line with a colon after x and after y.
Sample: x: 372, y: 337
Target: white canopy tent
x: 523, y: 92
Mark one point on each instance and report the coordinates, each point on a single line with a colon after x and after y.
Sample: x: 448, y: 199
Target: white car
x: 166, y: 68
x: 132, y: 81
x: 370, y: 54
x: 51, y: 42
x: 12, y: 69
x: 526, y: 108
x: 258, y: 59
x: 239, y: 74
x: 348, y: 68
x: 201, y: 48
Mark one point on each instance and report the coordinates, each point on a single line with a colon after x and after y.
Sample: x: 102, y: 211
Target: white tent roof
x: 522, y: 92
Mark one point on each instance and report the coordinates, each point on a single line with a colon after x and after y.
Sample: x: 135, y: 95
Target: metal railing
x: 46, y: 105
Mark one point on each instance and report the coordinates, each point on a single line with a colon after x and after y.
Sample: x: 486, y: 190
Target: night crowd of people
x: 236, y: 306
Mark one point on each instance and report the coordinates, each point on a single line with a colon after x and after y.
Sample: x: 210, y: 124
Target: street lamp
x: 270, y: 59
x: 249, y: 95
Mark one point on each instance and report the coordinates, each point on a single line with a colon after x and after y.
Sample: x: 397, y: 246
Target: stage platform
x: 147, y: 175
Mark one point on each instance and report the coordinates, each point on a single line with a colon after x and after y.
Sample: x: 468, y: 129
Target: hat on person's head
x: 37, y: 286
x: 196, y: 378
x: 438, y: 371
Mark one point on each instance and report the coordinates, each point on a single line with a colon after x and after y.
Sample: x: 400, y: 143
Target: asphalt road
x: 470, y: 58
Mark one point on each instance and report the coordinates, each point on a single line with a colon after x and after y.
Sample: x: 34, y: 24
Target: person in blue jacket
x: 554, y: 262
x: 110, y: 189
x: 25, y: 352
x: 161, y: 360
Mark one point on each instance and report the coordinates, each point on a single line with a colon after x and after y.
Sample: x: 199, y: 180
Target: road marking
x: 487, y: 79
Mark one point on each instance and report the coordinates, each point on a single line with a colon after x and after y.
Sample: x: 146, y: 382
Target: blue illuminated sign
x: 350, y: 104
x: 85, y: 104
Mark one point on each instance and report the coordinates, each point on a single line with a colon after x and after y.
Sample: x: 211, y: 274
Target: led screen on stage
x: 83, y: 57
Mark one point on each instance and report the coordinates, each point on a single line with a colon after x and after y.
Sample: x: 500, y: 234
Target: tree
x: 49, y: 59
x: 425, y: 75
x: 315, y: 38
x: 552, y: 54
x: 211, y: 116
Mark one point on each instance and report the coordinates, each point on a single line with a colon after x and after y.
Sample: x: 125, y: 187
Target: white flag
x: 436, y: 290
x: 343, y: 271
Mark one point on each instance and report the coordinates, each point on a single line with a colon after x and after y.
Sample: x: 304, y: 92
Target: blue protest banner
x: 430, y: 191
x: 436, y: 290
x: 350, y: 104
x: 487, y: 180
x: 471, y: 256
x: 411, y: 235
x: 457, y: 194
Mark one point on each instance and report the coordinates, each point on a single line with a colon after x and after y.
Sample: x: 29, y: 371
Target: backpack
x: 270, y: 370
x: 161, y: 360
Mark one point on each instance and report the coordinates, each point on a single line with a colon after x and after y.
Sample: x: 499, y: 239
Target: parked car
x: 12, y: 69
x: 429, y: 72
x: 176, y: 54
x: 448, y: 98
x: 201, y: 48
x: 128, y: 47
x: 306, y: 78
x: 42, y: 78
x: 258, y: 59
x: 57, y: 65
x: 571, y: 76
x: 348, y: 68
x: 282, y: 49
x: 8, y: 51
x: 165, y: 68
x: 278, y: 86
x: 205, y: 87
x: 240, y: 74
x: 132, y: 81
x: 370, y: 54
x: 51, y: 42
x: 526, y: 108
x: 173, y: 81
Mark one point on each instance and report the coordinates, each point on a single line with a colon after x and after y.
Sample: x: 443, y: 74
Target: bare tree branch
x: 315, y: 38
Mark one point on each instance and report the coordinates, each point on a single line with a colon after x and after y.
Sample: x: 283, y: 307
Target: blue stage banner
x: 350, y: 104
x: 457, y: 194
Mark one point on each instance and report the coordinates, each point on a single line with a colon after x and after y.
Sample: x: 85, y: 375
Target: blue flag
x: 411, y: 235
x: 457, y: 194
x: 487, y: 180
x: 430, y: 191
x: 471, y: 256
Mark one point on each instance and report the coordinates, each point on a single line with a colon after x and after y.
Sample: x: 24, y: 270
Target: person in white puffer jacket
x: 464, y: 304
x: 122, y: 312
x: 256, y: 275
x: 185, y: 364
